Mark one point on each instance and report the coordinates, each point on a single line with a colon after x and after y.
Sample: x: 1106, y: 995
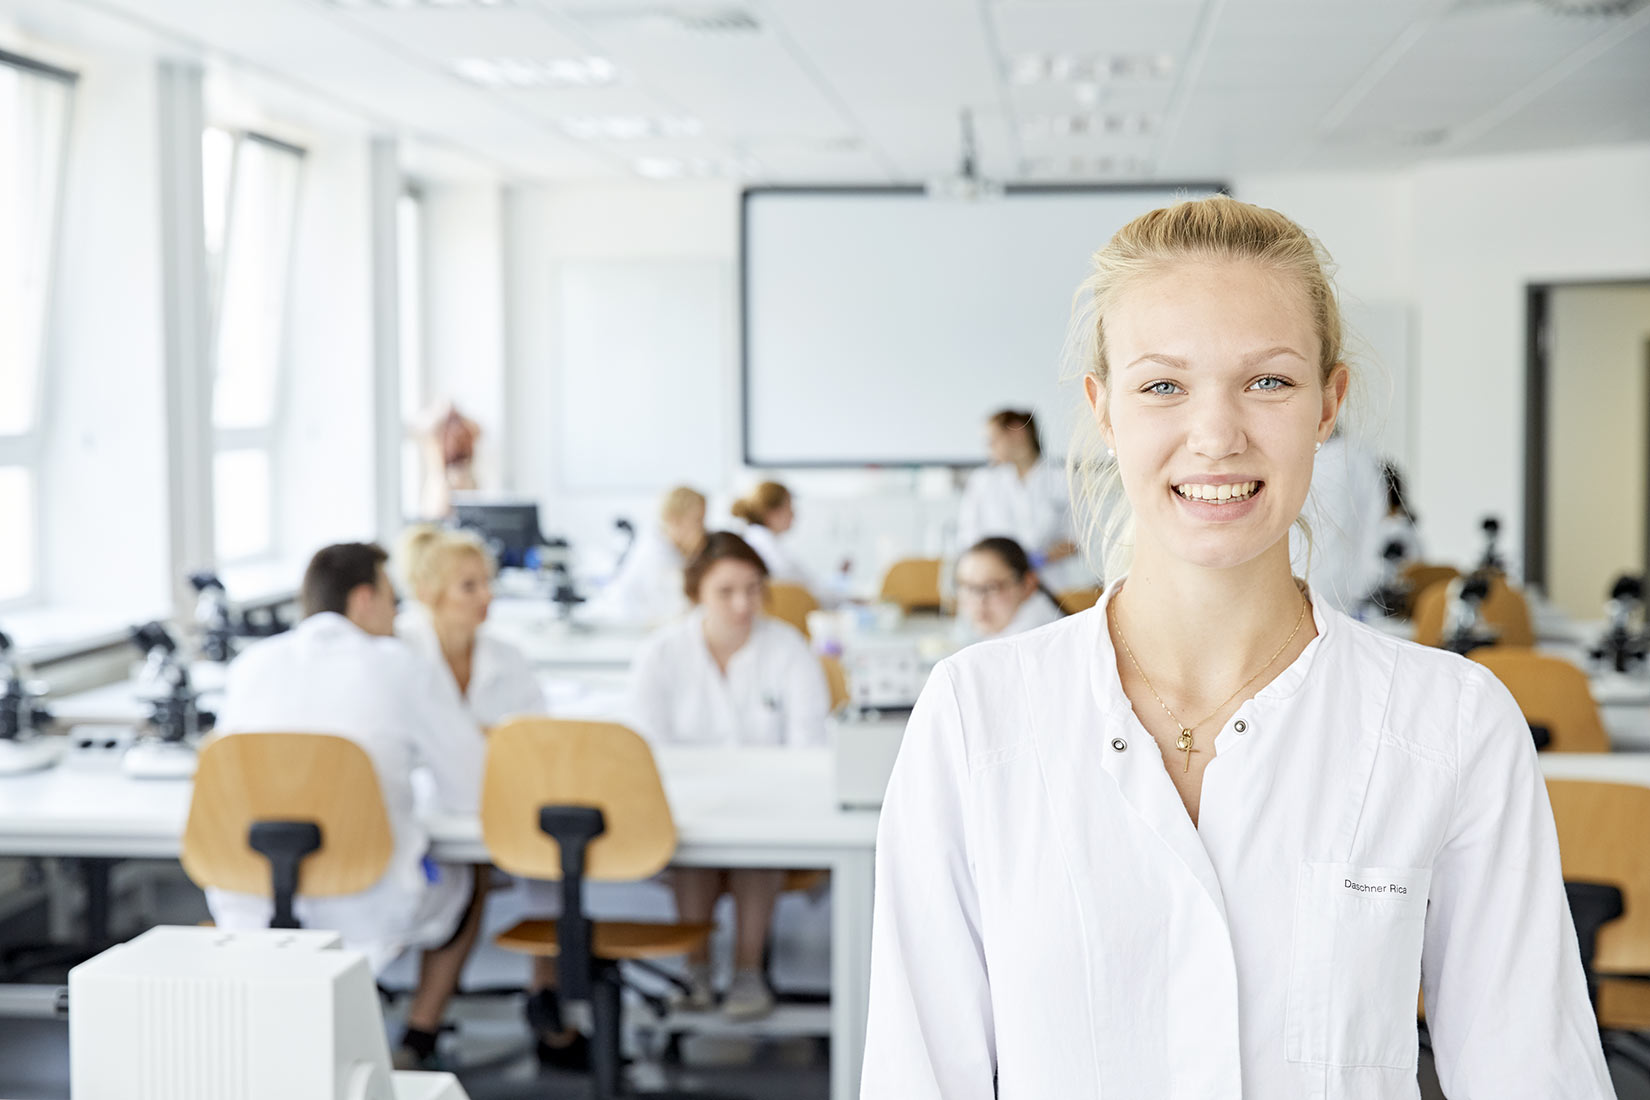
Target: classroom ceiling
x: 872, y: 91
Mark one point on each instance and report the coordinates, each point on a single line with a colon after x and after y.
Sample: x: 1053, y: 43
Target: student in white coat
x: 1206, y: 839
x: 768, y: 512
x: 450, y: 574
x: 998, y: 593
x: 1022, y: 496
x: 647, y: 589
x: 729, y: 675
x: 340, y: 671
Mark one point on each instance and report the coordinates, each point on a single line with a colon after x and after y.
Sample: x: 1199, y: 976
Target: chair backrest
x: 1420, y: 576
x: 791, y: 603
x: 1504, y: 611
x: 243, y: 778
x: 537, y: 762
x: 836, y: 678
x: 1551, y: 692
x: 1078, y: 599
x: 1601, y: 831
x: 913, y: 583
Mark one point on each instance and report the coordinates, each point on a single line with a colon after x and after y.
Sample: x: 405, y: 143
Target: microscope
x: 24, y: 719
x: 165, y: 747
x: 1626, y: 643
x: 213, y: 618
x: 1491, y: 561
x: 1464, y: 625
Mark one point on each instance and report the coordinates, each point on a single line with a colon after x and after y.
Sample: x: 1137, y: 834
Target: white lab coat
x: 1345, y: 506
x: 647, y: 589
x: 328, y: 676
x: 1034, y: 511
x: 774, y: 692
x: 782, y: 564
x: 502, y: 684
x: 1037, y: 610
x: 1373, y: 819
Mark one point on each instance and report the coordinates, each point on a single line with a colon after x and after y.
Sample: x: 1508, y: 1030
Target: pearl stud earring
x: 1318, y: 446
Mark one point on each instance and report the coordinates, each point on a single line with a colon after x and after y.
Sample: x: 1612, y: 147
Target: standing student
x: 998, y: 593
x: 450, y: 574
x: 647, y: 589
x: 729, y: 675
x: 340, y: 671
x: 768, y: 513
x: 1022, y: 496
x: 1208, y: 841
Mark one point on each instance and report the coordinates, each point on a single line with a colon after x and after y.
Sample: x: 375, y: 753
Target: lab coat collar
x: 326, y: 624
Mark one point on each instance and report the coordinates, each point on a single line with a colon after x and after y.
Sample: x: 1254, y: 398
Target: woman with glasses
x: 998, y: 592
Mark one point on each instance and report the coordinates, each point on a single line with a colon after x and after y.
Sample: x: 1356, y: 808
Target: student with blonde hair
x: 647, y: 589
x: 450, y: 576
x: 1208, y: 839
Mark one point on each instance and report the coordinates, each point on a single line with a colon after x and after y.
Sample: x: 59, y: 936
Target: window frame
x: 28, y: 450
x: 265, y: 438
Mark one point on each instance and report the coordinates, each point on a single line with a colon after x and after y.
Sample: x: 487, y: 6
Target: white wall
x: 1483, y: 230
x: 1597, y: 389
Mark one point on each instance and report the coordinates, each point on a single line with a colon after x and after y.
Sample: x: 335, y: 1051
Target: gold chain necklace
x: 1184, y: 741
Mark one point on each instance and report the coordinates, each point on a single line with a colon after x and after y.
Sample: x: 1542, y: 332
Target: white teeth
x: 1218, y: 494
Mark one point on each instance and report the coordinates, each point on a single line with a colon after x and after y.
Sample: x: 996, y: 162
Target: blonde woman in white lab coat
x: 647, y: 589
x: 728, y: 675
x: 999, y: 593
x: 1206, y: 839
x: 450, y: 575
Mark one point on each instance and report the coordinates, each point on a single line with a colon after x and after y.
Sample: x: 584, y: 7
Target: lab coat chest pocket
x: 1356, y: 964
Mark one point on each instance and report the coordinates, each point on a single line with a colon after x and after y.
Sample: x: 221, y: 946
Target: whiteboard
x: 641, y: 403
x: 882, y: 327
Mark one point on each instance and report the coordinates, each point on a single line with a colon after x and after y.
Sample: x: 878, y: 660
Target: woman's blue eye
x: 1276, y: 383
x: 1162, y: 389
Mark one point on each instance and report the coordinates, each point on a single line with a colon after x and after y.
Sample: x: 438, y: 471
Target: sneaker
x: 748, y: 997
x: 571, y: 1055
x: 698, y: 997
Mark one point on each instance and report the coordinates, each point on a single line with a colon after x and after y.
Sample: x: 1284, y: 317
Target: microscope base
x: 159, y: 760
x: 33, y: 754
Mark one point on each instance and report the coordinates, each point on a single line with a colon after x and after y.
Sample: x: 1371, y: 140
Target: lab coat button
x: 1119, y: 744
x: 1241, y: 726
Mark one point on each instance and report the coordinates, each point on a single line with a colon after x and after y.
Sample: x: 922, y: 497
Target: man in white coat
x: 341, y: 672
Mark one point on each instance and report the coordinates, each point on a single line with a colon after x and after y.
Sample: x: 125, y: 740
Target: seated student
x: 728, y: 675
x: 768, y: 513
x: 340, y: 671
x: 450, y: 574
x: 998, y: 593
x: 647, y: 589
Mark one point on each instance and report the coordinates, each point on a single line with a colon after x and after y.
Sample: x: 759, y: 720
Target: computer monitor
x: 511, y: 527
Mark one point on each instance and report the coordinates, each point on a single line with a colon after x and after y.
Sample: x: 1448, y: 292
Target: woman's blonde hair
x: 428, y: 555
x: 761, y: 502
x: 679, y: 501
x: 1217, y: 228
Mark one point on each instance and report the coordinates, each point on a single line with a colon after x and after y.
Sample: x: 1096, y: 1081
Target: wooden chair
x: 1552, y: 693
x: 1078, y: 599
x: 286, y: 814
x: 791, y: 603
x: 914, y: 584
x: 1504, y: 611
x: 1601, y: 827
x: 574, y: 801
x: 1419, y: 577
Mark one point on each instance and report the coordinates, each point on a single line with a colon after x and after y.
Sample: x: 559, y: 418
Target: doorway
x: 1587, y: 437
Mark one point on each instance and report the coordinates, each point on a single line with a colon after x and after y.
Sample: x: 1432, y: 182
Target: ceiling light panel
x: 413, y: 5
x: 1072, y: 68
x: 1087, y: 125
x: 630, y: 127
x: 1037, y: 40
x: 516, y: 72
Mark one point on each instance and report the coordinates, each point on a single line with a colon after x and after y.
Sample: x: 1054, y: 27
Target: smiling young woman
x: 1131, y: 854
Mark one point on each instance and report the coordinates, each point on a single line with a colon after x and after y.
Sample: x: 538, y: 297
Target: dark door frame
x: 1537, y: 370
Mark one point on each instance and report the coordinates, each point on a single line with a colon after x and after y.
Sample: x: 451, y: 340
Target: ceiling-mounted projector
x: 967, y: 185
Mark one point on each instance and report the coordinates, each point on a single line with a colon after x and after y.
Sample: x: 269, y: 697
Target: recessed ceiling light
x: 1081, y: 69
x: 1087, y: 124
x: 508, y: 72
x: 404, y: 5
x: 1085, y: 167
x: 670, y: 168
x: 630, y: 127
x: 668, y: 20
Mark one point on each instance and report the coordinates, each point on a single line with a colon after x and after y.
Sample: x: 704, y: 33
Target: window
x: 409, y: 250
x: 250, y: 192
x: 34, y: 116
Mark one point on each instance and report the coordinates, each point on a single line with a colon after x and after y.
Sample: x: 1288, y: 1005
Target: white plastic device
x: 260, y: 1015
x: 155, y: 759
